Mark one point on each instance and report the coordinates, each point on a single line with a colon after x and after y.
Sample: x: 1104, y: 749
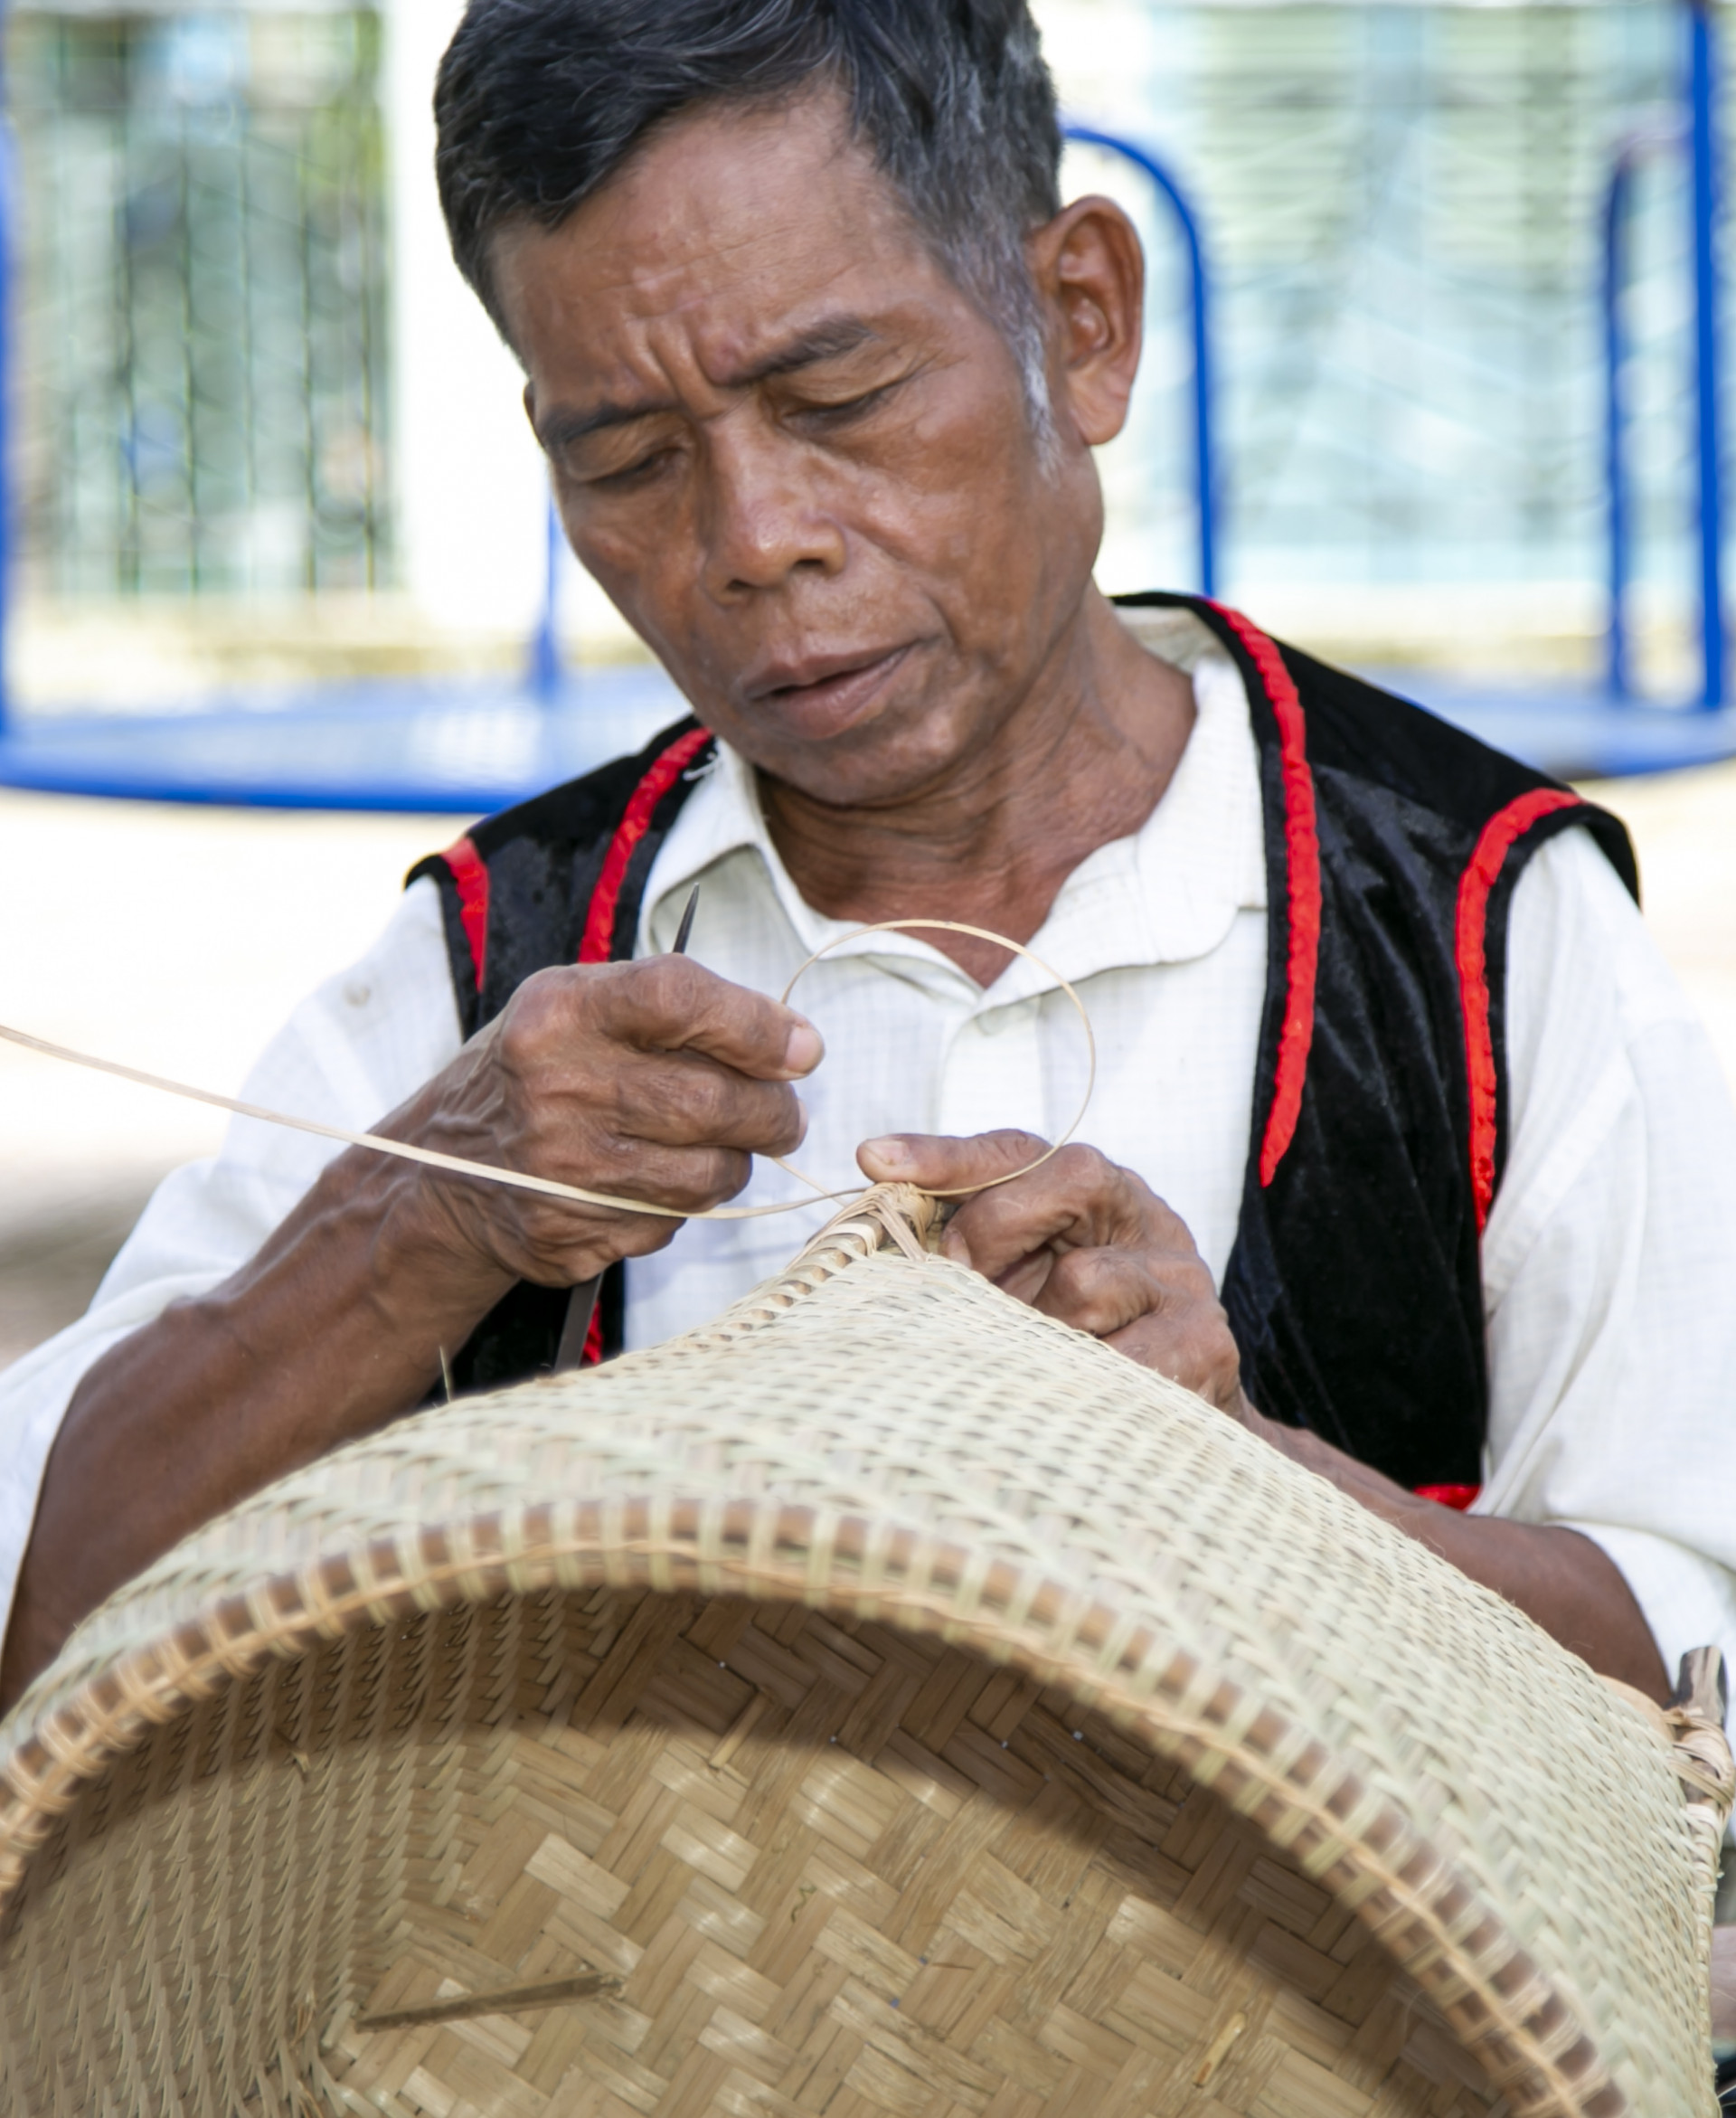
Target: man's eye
x: 635, y: 473
x: 846, y: 409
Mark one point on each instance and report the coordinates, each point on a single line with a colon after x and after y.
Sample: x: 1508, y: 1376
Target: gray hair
x: 540, y: 101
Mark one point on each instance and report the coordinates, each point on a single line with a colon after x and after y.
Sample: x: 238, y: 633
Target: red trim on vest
x: 469, y: 873
x: 1459, y: 1497
x: 1302, y: 867
x: 1471, y: 935
x: 596, y: 943
x: 605, y: 899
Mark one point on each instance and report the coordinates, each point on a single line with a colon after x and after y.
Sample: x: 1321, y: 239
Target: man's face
x: 797, y: 455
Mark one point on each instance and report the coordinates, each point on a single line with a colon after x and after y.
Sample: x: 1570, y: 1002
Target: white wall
x: 470, y: 479
x: 472, y: 490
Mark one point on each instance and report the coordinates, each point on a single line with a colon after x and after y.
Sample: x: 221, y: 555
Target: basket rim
x: 1354, y: 1842
x: 674, y: 1528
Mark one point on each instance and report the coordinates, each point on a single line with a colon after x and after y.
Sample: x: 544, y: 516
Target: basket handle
x: 1695, y: 1714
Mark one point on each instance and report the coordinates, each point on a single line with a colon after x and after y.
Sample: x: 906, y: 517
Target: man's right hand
x: 656, y: 1080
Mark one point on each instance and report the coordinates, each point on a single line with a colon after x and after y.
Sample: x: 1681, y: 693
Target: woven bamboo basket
x: 885, y: 1700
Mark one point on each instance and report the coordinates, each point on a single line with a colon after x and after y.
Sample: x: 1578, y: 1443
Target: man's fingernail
x: 891, y: 1153
x: 804, y: 1050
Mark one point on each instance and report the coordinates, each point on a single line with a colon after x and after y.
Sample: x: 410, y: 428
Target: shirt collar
x: 1167, y: 894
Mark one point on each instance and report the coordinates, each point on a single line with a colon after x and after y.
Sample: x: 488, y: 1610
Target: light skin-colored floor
x: 177, y: 939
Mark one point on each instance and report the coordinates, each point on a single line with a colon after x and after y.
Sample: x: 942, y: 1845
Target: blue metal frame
x: 1702, y: 100
x: 1703, y: 143
x: 460, y: 746
x: 545, y: 673
x: 1204, y: 462
x: 1615, y: 471
x: 8, y: 171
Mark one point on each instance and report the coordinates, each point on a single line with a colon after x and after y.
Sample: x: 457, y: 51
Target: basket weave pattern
x: 887, y: 1699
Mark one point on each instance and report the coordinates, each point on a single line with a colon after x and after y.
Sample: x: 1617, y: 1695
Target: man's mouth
x: 820, y: 694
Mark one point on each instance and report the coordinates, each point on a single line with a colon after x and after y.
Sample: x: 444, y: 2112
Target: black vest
x: 1380, y: 1112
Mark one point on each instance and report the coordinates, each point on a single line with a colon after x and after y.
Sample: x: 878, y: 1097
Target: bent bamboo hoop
x: 885, y: 1700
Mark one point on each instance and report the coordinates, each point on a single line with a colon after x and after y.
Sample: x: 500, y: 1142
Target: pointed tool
x: 581, y: 1303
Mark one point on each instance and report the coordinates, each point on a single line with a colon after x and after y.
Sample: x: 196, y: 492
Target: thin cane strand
x: 549, y: 1186
x: 953, y: 926
x: 405, y: 1151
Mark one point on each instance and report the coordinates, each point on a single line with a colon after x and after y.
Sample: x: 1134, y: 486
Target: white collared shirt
x: 1609, y: 1263
x: 1162, y: 936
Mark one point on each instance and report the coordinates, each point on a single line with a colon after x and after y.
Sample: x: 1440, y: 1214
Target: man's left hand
x: 1089, y: 1243
x: 1081, y: 1240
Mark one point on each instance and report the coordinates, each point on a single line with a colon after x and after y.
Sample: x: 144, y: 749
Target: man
x: 1407, y: 1151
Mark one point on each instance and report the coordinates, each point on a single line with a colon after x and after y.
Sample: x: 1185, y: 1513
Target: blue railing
x: 1702, y: 114
x: 1205, y: 482
x: 8, y: 180
x: 1618, y: 533
x: 545, y: 672
x: 1701, y: 138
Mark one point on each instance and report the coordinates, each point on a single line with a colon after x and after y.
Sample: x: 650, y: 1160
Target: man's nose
x: 765, y: 514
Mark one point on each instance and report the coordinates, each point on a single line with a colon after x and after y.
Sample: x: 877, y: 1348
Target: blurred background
x: 277, y: 530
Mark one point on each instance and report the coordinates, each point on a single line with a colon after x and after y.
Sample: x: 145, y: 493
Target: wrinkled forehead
x: 731, y: 227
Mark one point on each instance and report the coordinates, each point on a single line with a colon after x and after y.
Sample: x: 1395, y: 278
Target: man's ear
x: 1090, y: 273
